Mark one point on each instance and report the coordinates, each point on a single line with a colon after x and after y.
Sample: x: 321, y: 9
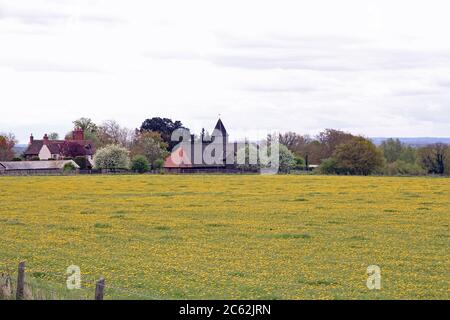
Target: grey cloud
x: 443, y: 83
x: 415, y: 92
x: 327, y: 54
x: 298, y: 62
x: 423, y: 109
x: 335, y: 60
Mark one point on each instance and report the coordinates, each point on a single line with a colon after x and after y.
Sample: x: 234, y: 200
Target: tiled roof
x: 58, y: 146
x: 34, y: 148
x: 179, y: 158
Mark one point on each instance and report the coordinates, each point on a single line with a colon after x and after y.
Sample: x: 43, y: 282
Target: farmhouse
x: 47, y: 149
x: 34, y: 167
x: 207, y: 155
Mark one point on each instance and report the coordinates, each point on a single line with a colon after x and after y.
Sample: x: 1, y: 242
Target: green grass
x: 229, y: 237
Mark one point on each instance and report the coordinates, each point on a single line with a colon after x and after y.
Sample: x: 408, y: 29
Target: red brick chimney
x: 78, y: 134
x: 31, y: 138
x: 45, y: 139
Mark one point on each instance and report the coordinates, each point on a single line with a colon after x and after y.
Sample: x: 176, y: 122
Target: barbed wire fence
x: 18, y: 285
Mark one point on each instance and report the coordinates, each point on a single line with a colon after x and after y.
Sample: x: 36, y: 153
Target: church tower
x: 221, y: 133
x: 221, y: 129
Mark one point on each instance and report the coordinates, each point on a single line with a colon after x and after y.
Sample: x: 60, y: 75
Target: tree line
x: 339, y: 152
x: 141, y: 149
x: 335, y: 151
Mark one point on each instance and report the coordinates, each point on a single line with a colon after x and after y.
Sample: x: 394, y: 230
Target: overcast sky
x: 377, y: 68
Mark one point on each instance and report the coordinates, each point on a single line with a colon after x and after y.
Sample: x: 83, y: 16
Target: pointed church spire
x: 219, y: 126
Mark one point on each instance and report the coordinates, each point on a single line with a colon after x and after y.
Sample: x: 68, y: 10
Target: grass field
x: 243, y: 237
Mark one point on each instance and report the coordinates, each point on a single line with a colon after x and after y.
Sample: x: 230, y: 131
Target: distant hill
x: 19, y: 149
x: 415, y: 142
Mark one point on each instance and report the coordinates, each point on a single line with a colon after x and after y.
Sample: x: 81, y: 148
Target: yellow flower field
x: 231, y: 237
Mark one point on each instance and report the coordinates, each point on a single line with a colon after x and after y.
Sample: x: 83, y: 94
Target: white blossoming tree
x: 112, y: 157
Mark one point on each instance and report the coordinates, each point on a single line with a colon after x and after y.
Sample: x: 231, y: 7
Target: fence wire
x: 42, y: 288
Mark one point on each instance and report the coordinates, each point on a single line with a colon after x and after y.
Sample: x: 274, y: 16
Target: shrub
x: 140, y: 164
x: 158, y: 164
x: 35, y: 158
x: 69, y: 167
x: 16, y: 159
x: 329, y: 166
x: 299, y: 163
x: 400, y: 167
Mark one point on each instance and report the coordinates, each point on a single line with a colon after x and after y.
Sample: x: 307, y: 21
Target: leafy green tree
x: 299, y: 162
x: 330, y: 139
x: 164, y: 126
x: 89, y: 128
x: 112, y: 157
x: 408, y: 154
x: 86, y: 124
x: 151, y: 145
x: 358, y: 156
x: 392, y: 148
x: 140, y: 164
x: 434, y: 158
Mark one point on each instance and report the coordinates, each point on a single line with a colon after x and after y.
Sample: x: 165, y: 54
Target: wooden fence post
x: 6, y: 290
x: 20, y: 281
x: 99, y: 289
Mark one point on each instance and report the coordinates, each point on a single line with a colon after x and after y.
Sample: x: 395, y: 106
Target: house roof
x: 179, y: 158
x: 58, y: 146
x: 34, y: 147
x: 37, y: 165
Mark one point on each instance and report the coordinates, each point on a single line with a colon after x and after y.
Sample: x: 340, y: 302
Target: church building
x: 216, y: 154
